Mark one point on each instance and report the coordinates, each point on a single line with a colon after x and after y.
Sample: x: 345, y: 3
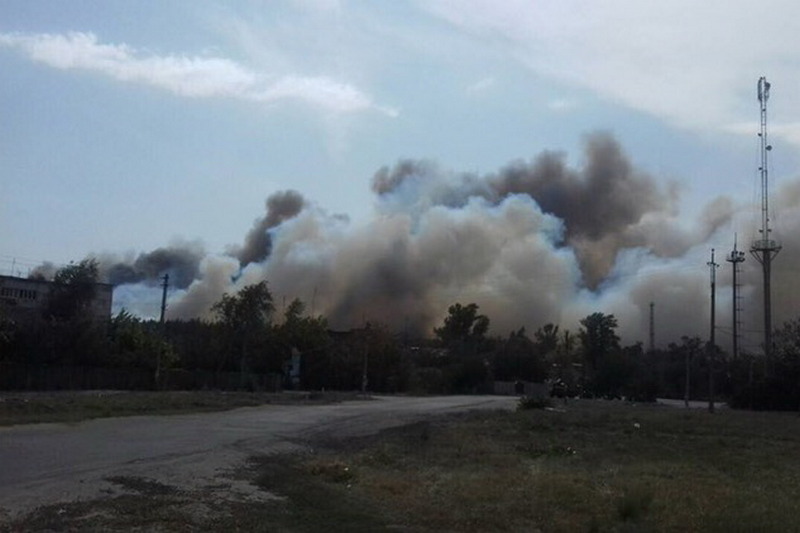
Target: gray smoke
x: 180, y: 261
x: 257, y: 246
x: 536, y: 242
x: 606, y: 206
x: 45, y: 272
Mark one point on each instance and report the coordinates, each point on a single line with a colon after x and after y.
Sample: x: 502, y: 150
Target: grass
x: 74, y: 406
x: 588, y: 466
x: 596, y: 466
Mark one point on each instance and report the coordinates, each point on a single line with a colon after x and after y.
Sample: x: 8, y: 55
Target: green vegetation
x: 246, y: 345
x: 589, y: 465
x: 26, y: 408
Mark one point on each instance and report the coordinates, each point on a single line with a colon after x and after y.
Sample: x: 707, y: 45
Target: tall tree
x: 74, y: 289
x: 301, y: 334
x: 245, y: 316
x: 519, y: 358
x: 463, y: 328
x: 598, y: 337
x: 547, y: 338
x: 601, y: 351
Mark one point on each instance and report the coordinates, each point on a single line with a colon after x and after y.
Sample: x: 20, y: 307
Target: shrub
x: 533, y: 402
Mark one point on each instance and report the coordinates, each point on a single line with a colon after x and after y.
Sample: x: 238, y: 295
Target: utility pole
x: 164, y: 286
x: 652, y: 328
x: 765, y: 249
x: 734, y: 259
x: 712, y: 346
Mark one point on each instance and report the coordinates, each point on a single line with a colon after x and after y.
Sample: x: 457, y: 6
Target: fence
x: 50, y: 377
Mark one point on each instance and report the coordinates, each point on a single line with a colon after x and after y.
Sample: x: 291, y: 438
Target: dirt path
x: 50, y: 463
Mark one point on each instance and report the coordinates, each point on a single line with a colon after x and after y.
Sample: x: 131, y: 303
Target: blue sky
x: 105, y: 146
x: 125, y: 126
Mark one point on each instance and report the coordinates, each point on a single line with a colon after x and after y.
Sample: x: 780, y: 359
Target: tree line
x: 248, y: 340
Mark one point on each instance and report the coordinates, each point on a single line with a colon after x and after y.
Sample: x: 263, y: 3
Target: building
x: 26, y: 299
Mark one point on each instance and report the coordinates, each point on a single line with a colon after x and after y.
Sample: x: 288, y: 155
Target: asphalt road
x: 44, y: 464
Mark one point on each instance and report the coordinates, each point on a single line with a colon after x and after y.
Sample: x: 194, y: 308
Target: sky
x: 129, y: 127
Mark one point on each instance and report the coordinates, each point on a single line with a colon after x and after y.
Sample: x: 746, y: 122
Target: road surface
x: 44, y: 464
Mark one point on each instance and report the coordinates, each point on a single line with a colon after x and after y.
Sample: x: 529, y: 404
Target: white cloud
x: 693, y: 64
x: 481, y: 86
x: 189, y: 76
x: 561, y: 105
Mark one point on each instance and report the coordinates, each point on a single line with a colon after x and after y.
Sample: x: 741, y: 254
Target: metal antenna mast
x: 765, y: 249
x: 734, y: 259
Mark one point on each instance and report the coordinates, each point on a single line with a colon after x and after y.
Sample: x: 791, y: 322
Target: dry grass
x: 593, y: 466
x: 74, y: 406
x: 597, y: 466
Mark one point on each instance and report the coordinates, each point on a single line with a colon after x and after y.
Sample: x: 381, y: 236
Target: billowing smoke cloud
x: 533, y: 243
x: 606, y: 206
x: 45, y: 271
x: 257, y: 246
x: 180, y: 261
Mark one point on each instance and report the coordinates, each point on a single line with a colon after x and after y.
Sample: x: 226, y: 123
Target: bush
x: 533, y: 402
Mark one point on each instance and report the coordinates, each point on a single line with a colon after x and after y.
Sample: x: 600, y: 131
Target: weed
x: 533, y: 402
x: 634, y: 503
x: 332, y: 471
x: 142, y: 485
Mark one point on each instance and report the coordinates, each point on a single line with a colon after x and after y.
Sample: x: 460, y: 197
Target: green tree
x: 134, y: 345
x: 772, y: 384
x: 246, y: 318
x: 598, y: 337
x: 73, y: 334
x: 387, y: 369
x: 74, y: 288
x: 547, y: 338
x: 7, y: 336
x: 601, y: 352
x: 464, y: 329
x: 519, y: 358
x: 301, y: 334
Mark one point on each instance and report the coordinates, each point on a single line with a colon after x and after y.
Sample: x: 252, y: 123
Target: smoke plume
x: 537, y: 241
x: 180, y: 261
x: 257, y: 246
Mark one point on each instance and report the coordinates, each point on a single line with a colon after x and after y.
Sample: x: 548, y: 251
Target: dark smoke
x: 607, y: 196
x: 44, y: 272
x: 599, y: 203
x: 536, y: 242
x: 180, y: 261
x: 257, y: 246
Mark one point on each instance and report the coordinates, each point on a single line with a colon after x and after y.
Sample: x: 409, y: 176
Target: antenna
x: 765, y: 249
x: 734, y: 259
